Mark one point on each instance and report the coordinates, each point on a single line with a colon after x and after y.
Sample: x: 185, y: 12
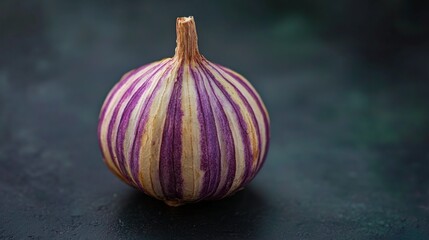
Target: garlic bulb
x: 184, y: 129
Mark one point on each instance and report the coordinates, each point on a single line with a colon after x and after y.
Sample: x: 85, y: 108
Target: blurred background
x: 346, y: 84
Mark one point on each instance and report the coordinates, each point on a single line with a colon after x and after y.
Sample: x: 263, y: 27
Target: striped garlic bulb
x: 184, y: 129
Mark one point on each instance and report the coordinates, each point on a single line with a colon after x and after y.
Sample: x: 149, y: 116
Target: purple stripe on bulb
x: 106, y: 106
x: 170, y: 167
x: 113, y: 93
x: 210, y: 150
x: 242, y: 123
x: 254, y: 122
x: 112, y: 121
x: 124, y: 123
x: 120, y: 165
x: 122, y: 129
x: 213, y: 140
x: 116, y: 88
x: 203, y: 136
x: 143, y: 118
x: 228, y: 143
x: 107, y: 102
x: 260, y: 105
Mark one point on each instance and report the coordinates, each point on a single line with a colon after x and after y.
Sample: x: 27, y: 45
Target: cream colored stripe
x: 258, y: 114
x: 221, y: 138
x: 251, y: 87
x: 191, y: 173
x: 251, y: 129
x: 152, y: 136
x: 108, y: 116
x: 118, y: 119
x: 235, y: 129
x: 135, y: 119
x: 103, y: 135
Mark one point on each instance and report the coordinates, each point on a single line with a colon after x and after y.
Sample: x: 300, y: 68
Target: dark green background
x: 346, y: 84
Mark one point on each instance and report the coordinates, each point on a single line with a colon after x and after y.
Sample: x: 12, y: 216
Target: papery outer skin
x: 184, y: 131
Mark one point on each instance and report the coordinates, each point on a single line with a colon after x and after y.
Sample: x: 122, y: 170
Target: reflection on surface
x: 233, y: 217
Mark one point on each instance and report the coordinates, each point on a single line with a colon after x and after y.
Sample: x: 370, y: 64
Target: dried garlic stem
x: 187, y: 40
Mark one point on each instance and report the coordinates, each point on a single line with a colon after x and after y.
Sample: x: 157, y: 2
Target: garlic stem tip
x: 185, y: 19
x: 187, y: 40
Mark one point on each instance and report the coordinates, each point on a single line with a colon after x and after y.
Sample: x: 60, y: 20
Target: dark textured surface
x: 345, y: 82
